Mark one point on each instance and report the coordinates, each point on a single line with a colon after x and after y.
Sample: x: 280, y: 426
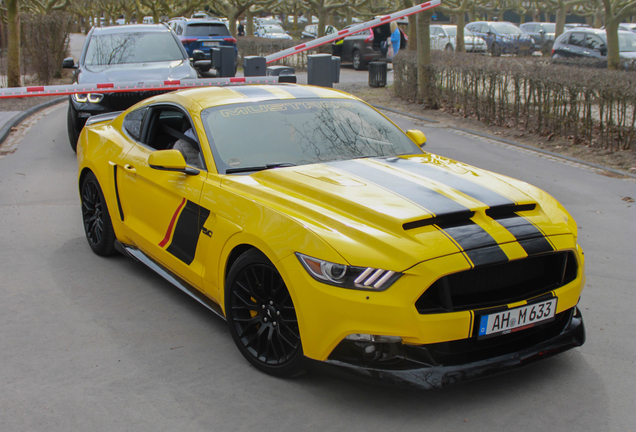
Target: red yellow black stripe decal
x: 171, y: 226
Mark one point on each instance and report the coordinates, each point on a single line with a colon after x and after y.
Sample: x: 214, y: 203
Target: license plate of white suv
x: 517, y: 319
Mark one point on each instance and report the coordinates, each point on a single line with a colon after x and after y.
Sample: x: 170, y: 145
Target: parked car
x: 202, y: 34
x: 444, y: 37
x: 542, y: 35
x: 625, y: 26
x: 271, y: 32
x: 311, y: 31
x: 319, y: 229
x: 572, y: 26
x: 502, y: 37
x: 148, y: 20
x: 123, y: 53
x: 366, y: 46
x: 592, y: 43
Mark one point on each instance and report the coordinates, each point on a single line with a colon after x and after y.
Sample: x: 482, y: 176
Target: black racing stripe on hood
x: 430, y: 200
x: 527, y: 234
x: 471, y: 237
x: 472, y: 189
x: 254, y: 92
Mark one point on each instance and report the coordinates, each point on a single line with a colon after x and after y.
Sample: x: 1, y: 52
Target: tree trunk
x: 424, y: 56
x: 231, y: 17
x: 613, y: 56
x: 461, y: 46
x: 13, y: 33
x: 560, y: 22
x: 249, y: 23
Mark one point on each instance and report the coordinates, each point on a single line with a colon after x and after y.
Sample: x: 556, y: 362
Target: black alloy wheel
x: 97, y: 223
x: 262, y: 317
x: 71, y: 122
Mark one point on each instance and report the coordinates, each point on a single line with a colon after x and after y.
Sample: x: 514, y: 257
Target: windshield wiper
x: 259, y: 168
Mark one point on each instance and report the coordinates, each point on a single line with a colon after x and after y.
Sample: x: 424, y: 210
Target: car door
x: 161, y: 208
x: 576, y: 45
x: 595, y: 46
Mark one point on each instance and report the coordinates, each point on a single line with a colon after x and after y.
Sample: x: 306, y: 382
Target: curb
x: 516, y: 144
x: 19, y: 118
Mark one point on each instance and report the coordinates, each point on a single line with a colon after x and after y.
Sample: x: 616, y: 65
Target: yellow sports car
x: 320, y: 230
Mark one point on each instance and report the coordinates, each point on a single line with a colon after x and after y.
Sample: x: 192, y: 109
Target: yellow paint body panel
x: 321, y: 211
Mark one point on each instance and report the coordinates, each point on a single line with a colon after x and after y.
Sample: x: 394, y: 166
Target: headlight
x: 90, y: 97
x: 361, y: 278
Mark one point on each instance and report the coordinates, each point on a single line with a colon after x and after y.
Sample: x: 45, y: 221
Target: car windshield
x: 123, y: 48
x: 452, y: 31
x: 549, y: 27
x: 298, y: 132
x: 207, y: 29
x: 626, y: 42
x: 506, y: 28
x: 274, y: 30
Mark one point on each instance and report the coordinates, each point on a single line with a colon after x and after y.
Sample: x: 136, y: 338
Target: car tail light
x: 230, y: 39
x: 188, y: 40
x: 552, y: 53
x: 370, y: 38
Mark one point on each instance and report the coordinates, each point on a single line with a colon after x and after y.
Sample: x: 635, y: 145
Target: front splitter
x: 572, y: 336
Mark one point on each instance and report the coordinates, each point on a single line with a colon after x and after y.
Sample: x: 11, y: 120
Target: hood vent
x: 505, y: 211
x: 440, y: 220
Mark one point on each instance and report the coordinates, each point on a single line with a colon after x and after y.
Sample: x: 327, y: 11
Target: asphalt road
x: 88, y: 343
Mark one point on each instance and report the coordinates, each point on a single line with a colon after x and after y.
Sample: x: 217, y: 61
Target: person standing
x: 395, y: 37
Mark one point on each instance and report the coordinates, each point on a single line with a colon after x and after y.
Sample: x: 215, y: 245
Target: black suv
x: 366, y: 46
x: 119, y: 54
x: 542, y: 35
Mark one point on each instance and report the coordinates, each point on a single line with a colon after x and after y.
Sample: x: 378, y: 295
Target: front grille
x: 124, y: 100
x: 499, y: 284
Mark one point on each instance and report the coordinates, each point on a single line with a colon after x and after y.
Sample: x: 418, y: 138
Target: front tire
x: 449, y: 48
x: 262, y: 317
x: 97, y: 224
x: 71, y: 126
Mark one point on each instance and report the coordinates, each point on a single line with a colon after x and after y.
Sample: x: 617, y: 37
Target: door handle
x: 131, y: 169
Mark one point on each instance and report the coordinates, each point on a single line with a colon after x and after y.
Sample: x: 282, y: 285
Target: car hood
x: 403, y: 211
x: 474, y: 39
x: 176, y: 69
x: 630, y: 55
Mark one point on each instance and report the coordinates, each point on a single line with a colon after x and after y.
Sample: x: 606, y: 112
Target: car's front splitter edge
x: 572, y: 336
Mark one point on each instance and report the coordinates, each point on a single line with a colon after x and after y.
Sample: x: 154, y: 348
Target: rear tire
x: 449, y: 48
x: 356, y: 59
x: 97, y: 224
x: 262, y: 317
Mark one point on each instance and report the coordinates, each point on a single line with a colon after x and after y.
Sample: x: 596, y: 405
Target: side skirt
x: 175, y: 280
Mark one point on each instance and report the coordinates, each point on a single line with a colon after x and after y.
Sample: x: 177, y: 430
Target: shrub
x: 593, y: 106
x: 45, y: 40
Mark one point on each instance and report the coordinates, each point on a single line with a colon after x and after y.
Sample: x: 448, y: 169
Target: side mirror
x: 198, y: 55
x: 542, y: 31
x: 68, y: 63
x: 170, y: 160
x: 417, y: 136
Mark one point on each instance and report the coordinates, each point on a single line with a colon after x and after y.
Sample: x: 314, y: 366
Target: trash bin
x: 377, y: 74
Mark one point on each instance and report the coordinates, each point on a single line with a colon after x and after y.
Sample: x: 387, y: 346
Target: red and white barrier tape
x: 62, y: 90
x: 351, y: 30
x: 123, y: 87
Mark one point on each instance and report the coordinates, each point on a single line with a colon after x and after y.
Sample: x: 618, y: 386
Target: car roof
x: 197, y: 99
x: 132, y: 28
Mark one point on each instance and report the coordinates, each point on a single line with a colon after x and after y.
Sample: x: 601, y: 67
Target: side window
x: 577, y: 39
x: 170, y: 128
x: 134, y: 121
x: 432, y: 31
x: 179, y: 29
x: 440, y: 32
x: 594, y: 42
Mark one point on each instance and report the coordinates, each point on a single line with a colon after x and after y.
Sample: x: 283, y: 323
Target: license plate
x: 211, y: 44
x: 514, y: 320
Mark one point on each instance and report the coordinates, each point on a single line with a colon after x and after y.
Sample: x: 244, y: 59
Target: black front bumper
x: 440, y: 365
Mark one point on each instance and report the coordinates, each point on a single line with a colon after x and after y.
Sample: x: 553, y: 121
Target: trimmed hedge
x: 591, y: 106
